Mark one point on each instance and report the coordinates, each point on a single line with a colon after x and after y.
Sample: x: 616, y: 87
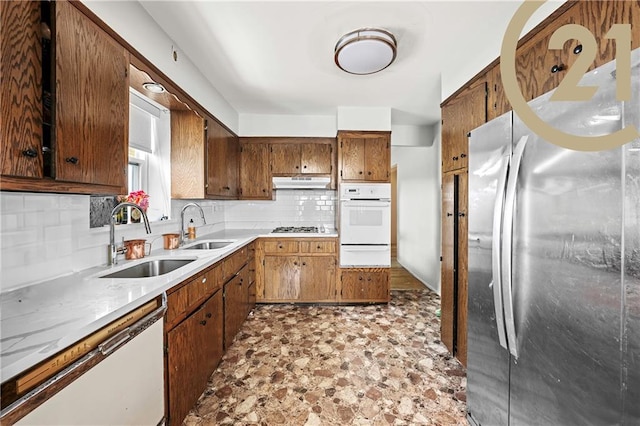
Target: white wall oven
x: 365, y: 225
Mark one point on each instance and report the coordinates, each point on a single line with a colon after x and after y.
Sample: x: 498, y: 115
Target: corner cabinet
x: 364, y: 156
x: 80, y: 146
x: 255, y: 176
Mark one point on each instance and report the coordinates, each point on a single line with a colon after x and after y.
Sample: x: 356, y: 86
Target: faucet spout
x: 185, y: 207
x: 113, y: 250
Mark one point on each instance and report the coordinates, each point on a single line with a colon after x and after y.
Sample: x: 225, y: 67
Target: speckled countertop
x: 38, y: 321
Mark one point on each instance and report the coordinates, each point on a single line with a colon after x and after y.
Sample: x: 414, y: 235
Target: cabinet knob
x: 203, y: 322
x: 304, y: 167
x: 279, y: 246
x: 454, y: 158
x: 304, y: 263
x: 556, y: 68
x: 577, y: 49
x: 30, y: 153
x: 369, y: 173
x: 461, y: 214
x: 463, y: 155
x: 360, y: 278
x: 449, y: 214
x: 226, y: 188
x: 72, y: 160
x: 297, y: 167
x: 295, y: 263
x: 359, y: 173
x: 208, y: 315
x: 264, y: 190
x: 318, y: 247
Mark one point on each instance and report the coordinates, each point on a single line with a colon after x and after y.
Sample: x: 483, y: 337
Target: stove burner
x: 296, y: 229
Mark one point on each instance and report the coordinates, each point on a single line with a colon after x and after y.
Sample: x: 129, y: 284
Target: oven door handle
x: 368, y: 203
x: 377, y: 247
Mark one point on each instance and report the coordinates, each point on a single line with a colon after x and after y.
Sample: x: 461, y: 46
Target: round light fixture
x: 154, y: 87
x: 365, y: 51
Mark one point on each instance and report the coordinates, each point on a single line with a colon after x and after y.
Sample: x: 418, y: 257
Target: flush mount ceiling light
x: 365, y: 51
x: 154, y: 87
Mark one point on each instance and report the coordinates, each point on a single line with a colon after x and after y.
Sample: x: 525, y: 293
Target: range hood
x: 301, y: 182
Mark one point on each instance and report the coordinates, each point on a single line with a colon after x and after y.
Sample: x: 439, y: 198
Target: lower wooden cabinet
x: 194, y: 348
x: 293, y: 270
x: 365, y: 285
x: 236, y: 300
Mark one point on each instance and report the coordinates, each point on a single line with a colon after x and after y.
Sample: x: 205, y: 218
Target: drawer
x: 233, y: 263
x: 177, y: 304
x: 214, y: 279
x: 319, y: 246
x: 281, y: 246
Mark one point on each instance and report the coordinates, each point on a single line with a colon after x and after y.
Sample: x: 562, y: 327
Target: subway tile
x: 41, y: 202
x: 11, y: 202
x: 9, y: 222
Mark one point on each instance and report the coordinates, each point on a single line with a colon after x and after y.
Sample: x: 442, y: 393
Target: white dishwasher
x: 124, y: 388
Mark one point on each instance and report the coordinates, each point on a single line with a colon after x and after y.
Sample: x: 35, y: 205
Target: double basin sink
x: 157, y: 267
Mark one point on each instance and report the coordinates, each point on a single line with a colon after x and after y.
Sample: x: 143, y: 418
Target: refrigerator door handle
x: 507, y: 244
x: 496, y: 281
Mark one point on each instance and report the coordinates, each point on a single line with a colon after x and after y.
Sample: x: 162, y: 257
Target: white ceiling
x: 269, y: 57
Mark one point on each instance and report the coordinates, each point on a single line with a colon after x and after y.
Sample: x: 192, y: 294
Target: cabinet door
x: 378, y: 159
x: 447, y: 309
x: 463, y: 114
x: 255, y: 178
x: 462, y: 267
x: 285, y: 159
x: 92, y: 102
x: 187, y: 155
x: 194, y: 350
x: 497, y: 102
x: 316, y: 158
x: 234, y: 302
x: 21, y: 88
x: 352, y: 153
x: 223, y: 157
x: 365, y: 286
x: 317, y: 278
x: 281, y: 278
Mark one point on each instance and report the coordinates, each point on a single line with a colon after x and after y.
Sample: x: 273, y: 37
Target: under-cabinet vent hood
x: 301, y: 182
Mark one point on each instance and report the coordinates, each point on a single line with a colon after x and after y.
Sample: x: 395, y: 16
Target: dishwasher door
x: 126, y: 388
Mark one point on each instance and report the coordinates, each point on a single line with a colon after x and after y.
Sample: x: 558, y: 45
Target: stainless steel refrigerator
x: 554, y: 266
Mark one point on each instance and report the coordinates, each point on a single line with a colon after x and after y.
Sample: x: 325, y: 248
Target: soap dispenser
x: 191, y: 230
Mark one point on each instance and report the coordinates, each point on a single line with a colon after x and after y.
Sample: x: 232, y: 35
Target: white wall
x: 404, y: 135
x: 133, y: 23
x: 287, y: 125
x: 364, y: 118
x: 419, y: 209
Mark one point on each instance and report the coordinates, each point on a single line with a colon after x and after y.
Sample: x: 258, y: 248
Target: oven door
x: 364, y: 256
x: 365, y: 222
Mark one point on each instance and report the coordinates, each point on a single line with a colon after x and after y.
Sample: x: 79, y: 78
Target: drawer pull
x: 72, y: 160
x: 203, y: 322
x: 30, y: 153
x: 209, y: 315
x: 318, y: 247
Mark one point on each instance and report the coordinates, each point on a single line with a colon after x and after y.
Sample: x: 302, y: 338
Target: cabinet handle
x: 556, y: 68
x: 203, y: 322
x: 30, y: 153
x: 463, y: 155
x: 454, y: 158
x: 461, y: 214
x: 577, y: 49
x: 226, y: 188
x: 449, y: 214
x: 208, y: 315
x: 72, y: 160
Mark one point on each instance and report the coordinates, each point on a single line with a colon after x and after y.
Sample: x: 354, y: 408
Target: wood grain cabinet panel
x: 187, y: 155
x: 294, y: 158
x: 223, y: 162
x: 194, y: 349
x: 92, y: 134
x: 285, y: 159
x: 281, y: 246
x: 319, y: 246
x: 255, y: 176
x: 21, y: 87
x: 317, y: 278
x: 364, y: 156
x: 235, y: 299
x: 316, y: 158
x: 282, y: 277
x: 365, y: 285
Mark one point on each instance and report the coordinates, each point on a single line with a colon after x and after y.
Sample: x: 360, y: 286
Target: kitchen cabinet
x: 296, y: 270
x: 21, y: 103
x: 255, y: 176
x: 288, y: 159
x: 187, y: 155
x: 453, y: 292
x: 497, y: 102
x: 365, y: 285
x: 466, y: 112
x: 364, y: 156
x: 194, y: 348
x: 223, y: 162
x: 237, y: 276
x: 81, y: 146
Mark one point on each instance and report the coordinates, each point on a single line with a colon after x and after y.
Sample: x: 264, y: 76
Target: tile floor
x: 338, y: 365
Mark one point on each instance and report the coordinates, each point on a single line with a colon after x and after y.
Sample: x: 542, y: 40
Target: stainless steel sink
x: 208, y: 245
x: 150, y: 268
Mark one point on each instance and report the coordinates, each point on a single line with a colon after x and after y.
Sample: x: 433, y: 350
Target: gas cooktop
x: 295, y: 229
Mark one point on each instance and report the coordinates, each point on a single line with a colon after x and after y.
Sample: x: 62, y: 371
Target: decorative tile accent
x: 100, y: 210
x: 338, y: 365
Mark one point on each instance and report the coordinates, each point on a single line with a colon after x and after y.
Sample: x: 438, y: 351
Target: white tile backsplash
x: 44, y: 236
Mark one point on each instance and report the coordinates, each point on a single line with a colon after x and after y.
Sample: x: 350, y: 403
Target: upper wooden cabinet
x: 21, y: 102
x: 83, y: 138
x: 187, y: 155
x: 255, y: 177
x: 364, y: 156
x: 465, y: 113
x: 293, y: 158
x: 223, y: 162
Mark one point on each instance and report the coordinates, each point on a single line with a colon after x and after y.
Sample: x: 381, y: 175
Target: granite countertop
x: 40, y: 320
